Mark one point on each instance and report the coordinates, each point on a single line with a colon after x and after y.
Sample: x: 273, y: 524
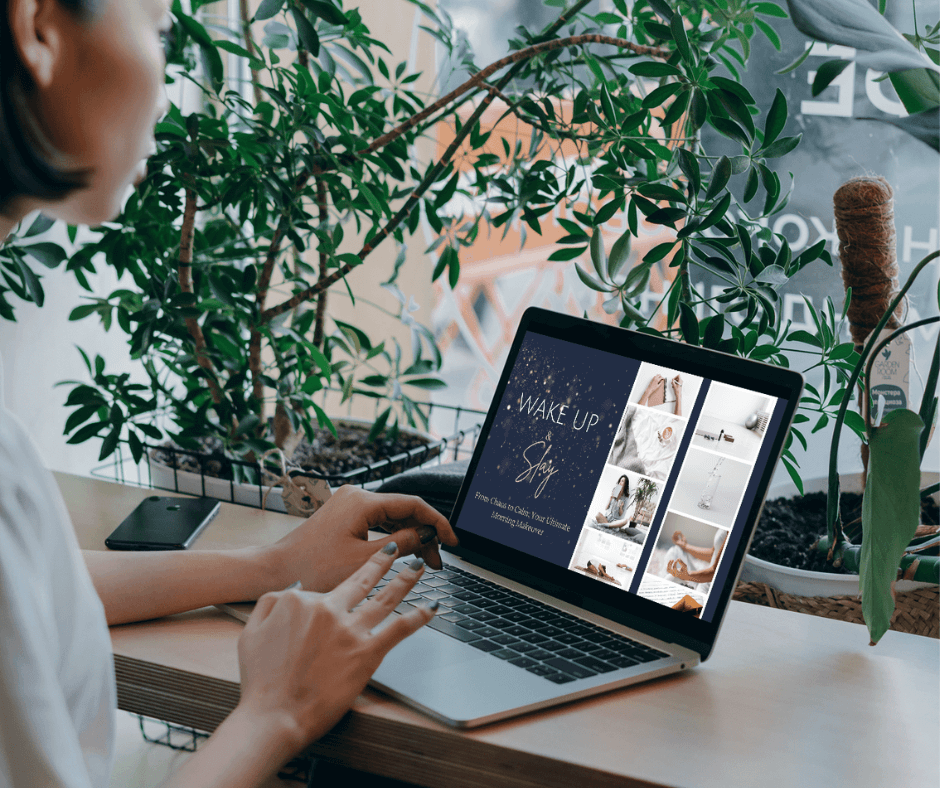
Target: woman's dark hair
x: 625, y: 489
x: 25, y: 170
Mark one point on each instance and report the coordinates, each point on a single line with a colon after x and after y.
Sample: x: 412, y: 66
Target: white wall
x: 39, y: 351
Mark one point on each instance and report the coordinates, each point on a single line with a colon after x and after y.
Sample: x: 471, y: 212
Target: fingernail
x: 426, y: 533
x: 416, y: 565
x: 293, y: 586
x: 433, y: 605
x: 390, y: 549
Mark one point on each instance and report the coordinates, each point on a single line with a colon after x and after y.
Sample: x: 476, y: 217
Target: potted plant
x: 230, y: 248
x: 880, y: 553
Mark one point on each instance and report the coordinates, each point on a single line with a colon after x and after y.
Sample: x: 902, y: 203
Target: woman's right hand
x: 304, y: 656
x: 653, y: 385
x: 678, y: 538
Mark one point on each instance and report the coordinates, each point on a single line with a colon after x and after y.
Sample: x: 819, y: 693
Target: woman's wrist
x: 245, y: 750
x: 271, y: 569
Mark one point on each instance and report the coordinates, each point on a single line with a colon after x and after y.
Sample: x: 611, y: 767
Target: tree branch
x: 185, y: 273
x: 323, y: 209
x: 430, y: 178
x: 479, y: 79
x: 250, y: 46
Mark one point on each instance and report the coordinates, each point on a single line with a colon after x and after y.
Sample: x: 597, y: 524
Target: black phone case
x: 163, y: 523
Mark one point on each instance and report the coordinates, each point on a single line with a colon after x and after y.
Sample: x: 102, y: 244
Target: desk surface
x: 787, y: 699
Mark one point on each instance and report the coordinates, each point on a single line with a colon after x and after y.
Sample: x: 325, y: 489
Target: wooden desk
x: 786, y: 700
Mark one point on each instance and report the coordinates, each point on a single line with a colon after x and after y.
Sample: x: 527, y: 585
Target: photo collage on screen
x: 705, y: 501
x: 639, y: 462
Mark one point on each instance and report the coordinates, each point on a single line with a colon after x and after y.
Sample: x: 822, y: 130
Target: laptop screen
x: 635, y: 473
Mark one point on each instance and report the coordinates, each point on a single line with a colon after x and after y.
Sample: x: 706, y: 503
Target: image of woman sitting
x: 616, y: 504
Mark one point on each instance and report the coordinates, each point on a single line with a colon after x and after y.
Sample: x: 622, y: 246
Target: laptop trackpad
x: 426, y: 651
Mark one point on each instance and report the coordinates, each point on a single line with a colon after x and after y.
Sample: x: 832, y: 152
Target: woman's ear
x: 38, y: 34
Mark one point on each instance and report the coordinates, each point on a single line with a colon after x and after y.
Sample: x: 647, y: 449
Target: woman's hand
x: 678, y: 569
x: 332, y: 544
x: 678, y: 538
x: 654, y: 383
x: 304, y: 657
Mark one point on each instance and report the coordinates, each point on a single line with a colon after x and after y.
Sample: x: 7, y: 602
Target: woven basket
x: 916, y: 612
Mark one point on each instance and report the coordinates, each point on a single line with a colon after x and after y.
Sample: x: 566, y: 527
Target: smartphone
x: 163, y: 523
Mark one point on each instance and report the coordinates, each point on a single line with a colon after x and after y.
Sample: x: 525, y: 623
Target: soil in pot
x: 324, y: 454
x: 789, y: 527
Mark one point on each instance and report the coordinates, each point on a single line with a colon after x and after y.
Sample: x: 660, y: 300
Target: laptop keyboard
x: 523, y: 631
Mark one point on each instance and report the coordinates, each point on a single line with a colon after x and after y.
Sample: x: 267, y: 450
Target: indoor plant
x: 886, y: 531
x: 259, y: 184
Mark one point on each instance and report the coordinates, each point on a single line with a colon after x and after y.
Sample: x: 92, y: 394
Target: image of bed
x: 710, y: 487
x: 733, y: 421
x: 623, y: 504
x: 687, y: 554
x: 646, y: 442
x: 665, y: 390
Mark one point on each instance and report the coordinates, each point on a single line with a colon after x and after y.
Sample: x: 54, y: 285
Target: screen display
x: 633, y: 474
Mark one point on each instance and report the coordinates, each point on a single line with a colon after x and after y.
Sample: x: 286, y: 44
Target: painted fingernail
x: 426, y: 533
x: 390, y: 549
x: 417, y: 565
x: 433, y: 605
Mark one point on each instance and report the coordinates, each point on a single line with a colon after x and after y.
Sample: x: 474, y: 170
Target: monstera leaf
x: 854, y: 23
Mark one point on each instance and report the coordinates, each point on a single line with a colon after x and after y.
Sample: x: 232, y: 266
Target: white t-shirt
x: 57, y: 691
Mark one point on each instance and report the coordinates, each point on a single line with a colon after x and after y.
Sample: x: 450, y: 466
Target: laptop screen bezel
x: 558, y: 581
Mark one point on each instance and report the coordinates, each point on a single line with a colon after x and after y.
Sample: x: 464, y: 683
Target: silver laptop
x: 602, y: 521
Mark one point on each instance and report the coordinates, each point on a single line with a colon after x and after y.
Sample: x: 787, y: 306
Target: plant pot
x: 832, y: 595
x: 164, y: 476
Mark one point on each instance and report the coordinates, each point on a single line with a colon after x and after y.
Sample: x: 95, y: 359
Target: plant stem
x: 833, y: 514
x: 250, y: 46
x: 324, y: 214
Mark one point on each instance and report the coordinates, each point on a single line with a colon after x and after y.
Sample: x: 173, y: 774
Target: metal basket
x: 455, y: 430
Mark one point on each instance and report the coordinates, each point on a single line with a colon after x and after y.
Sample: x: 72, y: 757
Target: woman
x: 81, y: 87
x: 694, y: 566
x: 616, y: 503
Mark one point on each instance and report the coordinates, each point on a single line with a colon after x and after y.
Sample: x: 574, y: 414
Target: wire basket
x: 454, y: 431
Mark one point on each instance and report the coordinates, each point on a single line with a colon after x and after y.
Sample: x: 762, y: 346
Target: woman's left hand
x: 332, y: 544
x: 678, y: 569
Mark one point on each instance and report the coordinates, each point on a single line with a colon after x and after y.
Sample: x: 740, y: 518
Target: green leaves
x: 210, y: 55
x: 776, y: 118
x: 890, y: 513
x: 306, y: 33
x: 719, y: 178
x: 268, y: 9
x: 826, y: 73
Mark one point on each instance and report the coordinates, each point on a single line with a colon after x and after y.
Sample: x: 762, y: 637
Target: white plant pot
x: 167, y: 478
x: 802, y: 582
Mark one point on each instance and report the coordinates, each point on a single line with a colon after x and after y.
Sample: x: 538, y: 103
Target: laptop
x: 599, y: 543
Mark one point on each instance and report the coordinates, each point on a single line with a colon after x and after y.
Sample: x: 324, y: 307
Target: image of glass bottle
x: 711, y: 485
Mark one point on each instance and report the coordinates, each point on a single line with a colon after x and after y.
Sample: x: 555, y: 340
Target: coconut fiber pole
x: 864, y: 211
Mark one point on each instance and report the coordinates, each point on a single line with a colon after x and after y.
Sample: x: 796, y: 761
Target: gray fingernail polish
x: 426, y: 533
x: 390, y: 549
x: 417, y: 565
x: 433, y: 605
